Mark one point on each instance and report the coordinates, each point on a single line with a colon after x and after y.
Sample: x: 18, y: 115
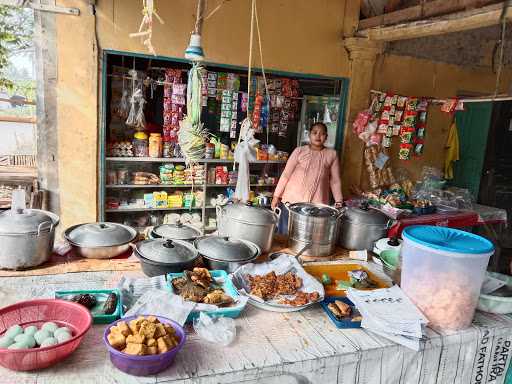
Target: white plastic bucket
x: 442, y: 272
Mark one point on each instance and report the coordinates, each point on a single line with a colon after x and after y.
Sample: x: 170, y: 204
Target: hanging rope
x: 267, y: 94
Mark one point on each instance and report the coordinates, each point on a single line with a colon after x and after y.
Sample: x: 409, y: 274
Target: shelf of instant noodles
x: 182, y: 160
x: 117, y: 210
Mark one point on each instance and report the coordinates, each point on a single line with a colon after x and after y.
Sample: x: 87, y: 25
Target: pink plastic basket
x: 36, y: 312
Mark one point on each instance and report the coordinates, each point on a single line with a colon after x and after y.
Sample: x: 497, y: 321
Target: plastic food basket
x: 340, y: 323
x: 144, y: 365
x: 442, y: 272
x: 496, y: 304
x: 98, y: 318
x: 229, y: 289
x: 37, y: 312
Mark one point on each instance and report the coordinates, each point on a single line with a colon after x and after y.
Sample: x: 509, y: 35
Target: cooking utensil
x: 176, y: 231
x: 100, y: 240
x: 161, y: 256
x: 246, y: 222
x: 226, y: 253
x: 27, y: 237
x: 361, y: 227
x: 313, y: 224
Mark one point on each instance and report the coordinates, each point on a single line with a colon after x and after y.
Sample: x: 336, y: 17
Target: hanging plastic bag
x: 217, y: 330
x: 244, y: 153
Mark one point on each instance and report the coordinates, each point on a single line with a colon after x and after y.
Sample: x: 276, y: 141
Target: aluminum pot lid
x: 248, y: 213
x: 314, y: 210
x: 167, y: 251
x: 176, y: 231
x: 365, y: 215
x: 100, y: 234
x: 226, y: 249
x: 25, y: 221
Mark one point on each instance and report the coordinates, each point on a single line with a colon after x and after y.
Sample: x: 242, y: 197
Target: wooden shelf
x: 130, y: 186
x: 181, y: 160
x: 122, y: 210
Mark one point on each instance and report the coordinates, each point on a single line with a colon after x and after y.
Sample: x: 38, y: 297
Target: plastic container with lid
x: 442, y: 272
x: 140, y: 144
x: 155, y: 145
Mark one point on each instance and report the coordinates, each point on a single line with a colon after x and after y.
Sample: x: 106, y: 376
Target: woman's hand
x: 275, y: 202
x: 338, y: 204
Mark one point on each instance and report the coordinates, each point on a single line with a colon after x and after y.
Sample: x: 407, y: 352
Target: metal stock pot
x: 246, y: 222
x: 313, y: 228
x: 361, y: 227
x: 26, y: 237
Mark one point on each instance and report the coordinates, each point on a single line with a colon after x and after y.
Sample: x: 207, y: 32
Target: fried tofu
x: 135, y: 339
x: 135, y: 349
x: 116, y: 340
x: 147, y: 329
x: 152, y: 319
x: 159, y: 331
x: 123, y: 328
x: 152, y: 350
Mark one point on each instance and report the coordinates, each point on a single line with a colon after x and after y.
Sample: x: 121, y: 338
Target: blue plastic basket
x: 340, y: 323
x: 229, y: 289
x: 97, y: 318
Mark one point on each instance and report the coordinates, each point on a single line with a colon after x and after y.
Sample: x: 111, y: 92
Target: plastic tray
x: 340, y: 323
x: 98, y: 318
x: 339, y: 272
x: 229, y: 289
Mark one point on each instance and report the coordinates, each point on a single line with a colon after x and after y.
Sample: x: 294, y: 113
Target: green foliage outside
x: 16, y: 37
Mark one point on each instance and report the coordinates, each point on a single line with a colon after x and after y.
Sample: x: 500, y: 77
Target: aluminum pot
x: 312, y: 228
x: 226, y: 253
x: 26, y: 237
x: 100, y: 240
x: 162, y: 256
x: 246, y: 222
x: 176, y: 231
x: 361, y: 227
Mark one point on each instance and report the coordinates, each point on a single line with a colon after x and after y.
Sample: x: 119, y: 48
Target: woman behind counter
x: 310, y: 172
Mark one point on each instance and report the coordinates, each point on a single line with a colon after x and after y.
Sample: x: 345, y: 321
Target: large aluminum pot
x: 226, y: 253
x: 100, y: 240
x: 312, y: 228
x: 26, y: 237
x: 246, y: 222
x: 361, y: 227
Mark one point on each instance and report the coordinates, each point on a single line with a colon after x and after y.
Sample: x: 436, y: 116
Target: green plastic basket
x: 98, y: 318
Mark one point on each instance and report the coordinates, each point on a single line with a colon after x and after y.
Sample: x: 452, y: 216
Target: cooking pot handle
x: 44, y: 226
x: 341, y: 212
x: 277, y: 212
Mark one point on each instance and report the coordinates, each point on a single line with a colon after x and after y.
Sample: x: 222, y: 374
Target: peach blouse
x: 309, y: 175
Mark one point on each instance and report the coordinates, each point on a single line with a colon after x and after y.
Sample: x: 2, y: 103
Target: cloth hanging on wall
x: 452, y: 151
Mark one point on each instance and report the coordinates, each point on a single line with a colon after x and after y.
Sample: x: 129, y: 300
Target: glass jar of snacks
x: 140, y: 145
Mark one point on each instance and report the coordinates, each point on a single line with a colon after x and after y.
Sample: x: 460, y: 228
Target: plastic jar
x: 155, y: 145
x: 442, y: 272
x: 140, y: 145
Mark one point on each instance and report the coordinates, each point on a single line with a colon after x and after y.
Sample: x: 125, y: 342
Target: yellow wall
x: 298, y: 36
x: 415, y: 77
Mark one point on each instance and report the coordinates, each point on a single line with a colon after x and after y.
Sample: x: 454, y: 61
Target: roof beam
x: 417, y: 12
x: 455, y: 22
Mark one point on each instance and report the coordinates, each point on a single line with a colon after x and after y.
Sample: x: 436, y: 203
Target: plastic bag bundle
x: 217, y: 330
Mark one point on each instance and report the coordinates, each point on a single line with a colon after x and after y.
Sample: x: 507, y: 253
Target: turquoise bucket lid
x: 448, y: 239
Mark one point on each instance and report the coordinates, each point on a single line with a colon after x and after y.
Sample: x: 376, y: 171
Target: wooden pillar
x: 362, y: 55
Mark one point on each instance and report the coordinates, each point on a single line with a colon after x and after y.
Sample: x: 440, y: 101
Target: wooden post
x: 363, y: 55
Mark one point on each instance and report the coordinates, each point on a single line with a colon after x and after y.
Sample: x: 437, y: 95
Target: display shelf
x: 130, y: 186
x: 182, y: 160
x: 119, y: 210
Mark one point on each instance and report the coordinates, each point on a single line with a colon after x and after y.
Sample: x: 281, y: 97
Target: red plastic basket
x: 36, y: 312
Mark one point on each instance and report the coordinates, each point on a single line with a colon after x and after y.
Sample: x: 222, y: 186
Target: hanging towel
x: 452, y: 151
